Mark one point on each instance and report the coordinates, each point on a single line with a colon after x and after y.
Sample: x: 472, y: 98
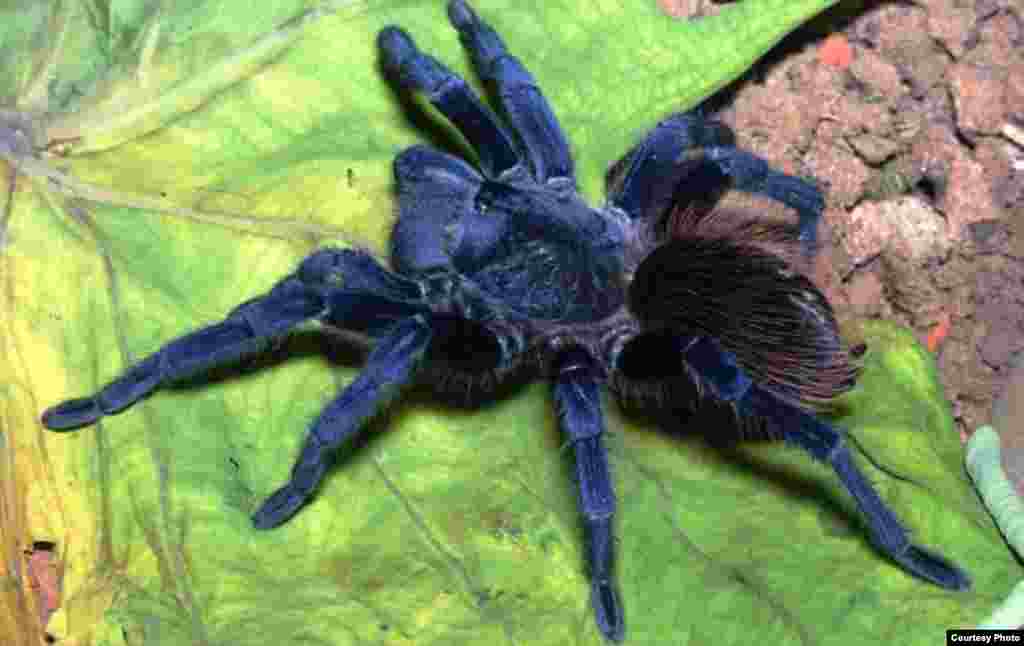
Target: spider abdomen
x: 777, y: 323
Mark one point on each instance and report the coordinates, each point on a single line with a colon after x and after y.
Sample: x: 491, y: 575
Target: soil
x: 911, y: 118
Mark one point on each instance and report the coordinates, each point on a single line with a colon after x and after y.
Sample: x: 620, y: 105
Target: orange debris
x: 836, y: 51
x: 939, y: 332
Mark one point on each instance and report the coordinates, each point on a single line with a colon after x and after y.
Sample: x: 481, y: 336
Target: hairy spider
x: 503, y: 269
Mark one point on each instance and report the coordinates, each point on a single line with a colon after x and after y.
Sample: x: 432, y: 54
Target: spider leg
x: 717, y: 367
x: 646, y: 356
x: 389, y: 366
x: 578, y: 398
x: 654, y: 170
x: 663, y: 171
x: 824, y: 442
x: 753, y: 174
x: 372, y: 299
x: 527, y: 109
x: 245, y: 330
x: 452, y: 96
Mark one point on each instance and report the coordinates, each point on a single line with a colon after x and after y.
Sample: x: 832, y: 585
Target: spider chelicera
x: 502, y: 269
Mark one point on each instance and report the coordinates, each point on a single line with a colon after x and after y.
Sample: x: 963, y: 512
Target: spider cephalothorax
x: 503, y: 267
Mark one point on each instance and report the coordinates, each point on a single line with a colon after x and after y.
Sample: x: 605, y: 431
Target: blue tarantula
x: 502, y: 269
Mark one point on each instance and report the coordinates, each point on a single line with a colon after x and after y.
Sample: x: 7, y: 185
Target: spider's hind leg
x: 752, y: 174
x: 651, y: 177
x: 690, y: 160
x: 578, y: 398
x: 826, y: 443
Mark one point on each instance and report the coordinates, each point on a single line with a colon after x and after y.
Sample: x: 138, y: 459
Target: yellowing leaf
x: 167, y: 161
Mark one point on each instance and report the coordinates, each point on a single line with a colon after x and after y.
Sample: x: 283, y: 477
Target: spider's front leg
x: 578, y: 399
x: 453, y: 97
x: 524, y: 104
x: 374, y: 298
x: 245, y: 330
x: 534, y: 123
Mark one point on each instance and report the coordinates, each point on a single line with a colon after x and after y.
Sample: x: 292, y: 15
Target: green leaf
x: 176, y: 159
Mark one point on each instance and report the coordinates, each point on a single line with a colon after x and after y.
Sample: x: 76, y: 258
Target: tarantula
x: 501, y: 268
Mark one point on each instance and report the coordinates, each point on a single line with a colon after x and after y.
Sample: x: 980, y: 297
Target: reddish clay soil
x: 911, y: 117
